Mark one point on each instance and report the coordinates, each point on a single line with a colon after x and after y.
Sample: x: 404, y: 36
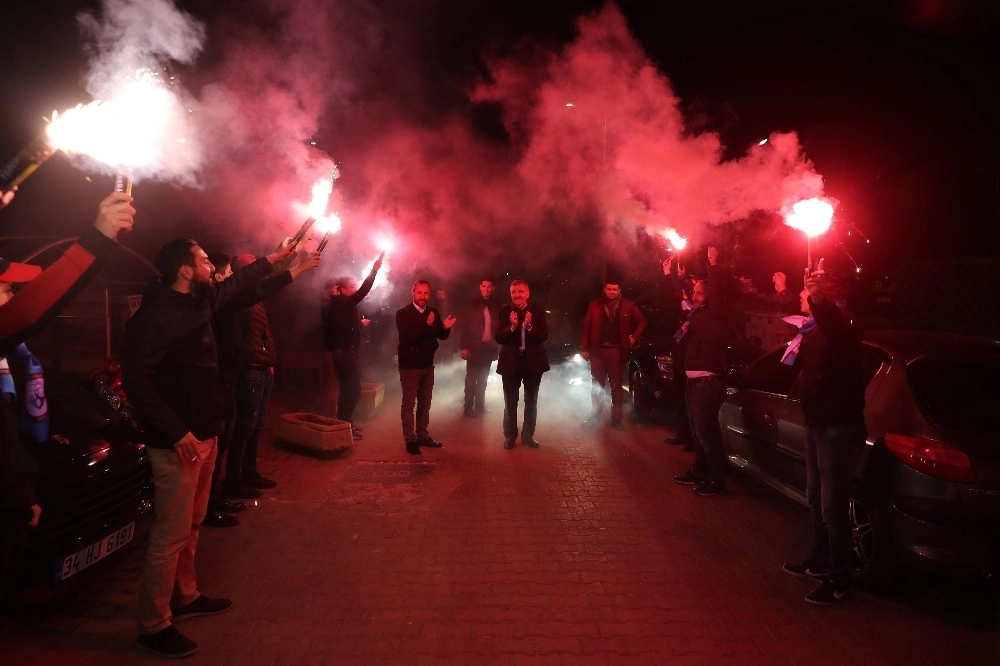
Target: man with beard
x: 611, y: 328
x: 171, y: 374
x: 521, y: 332
x: 342, y: 335
x: 477, y: 346
x: 420, y: 327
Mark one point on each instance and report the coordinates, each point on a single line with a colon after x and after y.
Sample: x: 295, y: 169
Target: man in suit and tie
x: 521, y: 332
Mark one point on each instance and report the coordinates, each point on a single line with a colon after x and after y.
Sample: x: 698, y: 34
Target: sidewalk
x: 581, y: 552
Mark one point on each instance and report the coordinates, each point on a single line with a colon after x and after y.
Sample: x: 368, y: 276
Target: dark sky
x: 895, y: 103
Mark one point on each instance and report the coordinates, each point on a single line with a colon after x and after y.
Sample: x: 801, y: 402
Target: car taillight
x: 928, y: 456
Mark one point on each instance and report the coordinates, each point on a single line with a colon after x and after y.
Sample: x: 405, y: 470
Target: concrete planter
x: 314, y: 433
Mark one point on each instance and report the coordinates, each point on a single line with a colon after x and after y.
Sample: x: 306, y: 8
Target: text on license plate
x: 94, y: 553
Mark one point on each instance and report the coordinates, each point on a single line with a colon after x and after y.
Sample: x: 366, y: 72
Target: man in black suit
x: 477, y: 346
x: 420, y: 327
x: 521, y: 332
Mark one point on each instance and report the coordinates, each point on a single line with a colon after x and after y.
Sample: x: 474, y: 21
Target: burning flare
x: 810, y: 216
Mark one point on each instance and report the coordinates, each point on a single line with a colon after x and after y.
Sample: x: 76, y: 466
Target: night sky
x: 894, y: 105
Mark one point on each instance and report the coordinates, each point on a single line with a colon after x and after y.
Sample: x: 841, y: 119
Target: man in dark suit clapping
x: 521, y: 332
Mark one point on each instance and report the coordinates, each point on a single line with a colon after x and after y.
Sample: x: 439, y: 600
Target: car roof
x: 911, y: 344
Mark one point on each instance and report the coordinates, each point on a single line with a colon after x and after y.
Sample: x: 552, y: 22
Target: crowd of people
x: 199, y: 361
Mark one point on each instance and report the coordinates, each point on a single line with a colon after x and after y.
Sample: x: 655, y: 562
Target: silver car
x: 926, y: 491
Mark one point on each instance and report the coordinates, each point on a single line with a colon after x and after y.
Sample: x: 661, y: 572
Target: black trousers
x: 347, y: 365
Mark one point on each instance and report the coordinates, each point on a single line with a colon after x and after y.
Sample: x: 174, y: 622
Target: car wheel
x: 641, y: 411
x: 873, y: 560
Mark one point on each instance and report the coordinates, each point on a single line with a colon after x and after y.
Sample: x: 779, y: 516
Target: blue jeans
x: 828, y: 491
x: 704, y: 397
x: 253, y: 390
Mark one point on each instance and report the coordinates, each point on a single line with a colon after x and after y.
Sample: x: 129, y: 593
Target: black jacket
x: 510, y: 341
x: 831, y: 383
x: 417, y: 340
x: 471, y: 326
x: 341, y: 321
x: 170, y: 370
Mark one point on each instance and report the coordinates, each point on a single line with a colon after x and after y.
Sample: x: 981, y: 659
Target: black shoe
x: 676, y: 440
x: 227, y: 507
x: 469, y: 413
x: 168, y: 643
x: 689, y: 478
x: 530, y: 442
x: 617, y: 424
x: 829, y: 593
x: 413, y: 448
x: 255, y: 480
x: 240, y: 491
x: 429, y: 443
x: 201, y: 606
x: 806, y: 570
x: 219, y: 519
x: 508, y: 443
x: 710, y: 488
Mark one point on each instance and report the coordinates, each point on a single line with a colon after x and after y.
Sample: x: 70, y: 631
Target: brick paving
x: 581, y: 552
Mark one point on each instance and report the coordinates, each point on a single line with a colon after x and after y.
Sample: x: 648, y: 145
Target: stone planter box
x: 314, y: 433
x: 372, y: 395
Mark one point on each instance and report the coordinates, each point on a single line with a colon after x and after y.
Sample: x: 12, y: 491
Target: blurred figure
x: 828, y: 356
x: 170, y: 372
x: 22, y: 315
x: 611, y: 327
x: 477, y: 346
x: 420, y: 327
x: 342, y: 335
x: 784, y: 299
x: 521, y: 332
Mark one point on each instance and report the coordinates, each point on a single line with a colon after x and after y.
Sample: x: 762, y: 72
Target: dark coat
x: 170, y: 370
x: 510, y: 341
x: 417, y: 340
x: 471, y: 326
x: 341, y: 321
x: 831, y: 383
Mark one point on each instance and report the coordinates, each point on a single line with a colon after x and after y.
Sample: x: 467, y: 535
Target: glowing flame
x: 328, y: 224
x: 382, y: 279
x: 385, y: 242
x: 810, y: 216
x: 321, y: 192
x: 134, y: 129
x: 677, y: 241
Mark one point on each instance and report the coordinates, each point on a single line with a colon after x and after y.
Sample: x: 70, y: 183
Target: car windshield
x: 959, y: 394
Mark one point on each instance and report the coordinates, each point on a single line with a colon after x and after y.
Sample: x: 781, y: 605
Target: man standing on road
x: 706, y: 336
x: 611, y: 327
x: 170, y: 372
x: 342, y: 335
x: 420, y: 327
x: 827, y: 354
x: 521, y: 332
x: 477, y: 346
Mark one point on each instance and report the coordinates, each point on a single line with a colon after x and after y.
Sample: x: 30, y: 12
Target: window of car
x: 769, y: 374
x: 963, y: 394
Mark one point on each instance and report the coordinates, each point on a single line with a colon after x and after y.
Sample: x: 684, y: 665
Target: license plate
x: 94, y: 553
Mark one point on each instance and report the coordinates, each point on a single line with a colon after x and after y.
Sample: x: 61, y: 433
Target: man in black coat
x: 420, y: 327
x: 477, y: 346
x: 521, y: 332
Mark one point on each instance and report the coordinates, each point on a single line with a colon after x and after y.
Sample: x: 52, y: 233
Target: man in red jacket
x: 611, y: 327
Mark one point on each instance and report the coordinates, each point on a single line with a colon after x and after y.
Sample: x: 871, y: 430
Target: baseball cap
x: 14, y: 272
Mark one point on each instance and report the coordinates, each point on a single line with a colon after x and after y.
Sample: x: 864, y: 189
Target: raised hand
x: 115, y: 214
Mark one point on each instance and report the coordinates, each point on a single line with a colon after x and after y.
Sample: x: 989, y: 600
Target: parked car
x: 926, y: 487
x: 94, y: 483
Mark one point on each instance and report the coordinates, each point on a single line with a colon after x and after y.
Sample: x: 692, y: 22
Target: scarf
x: 35, y: 417
x: 804, y: 324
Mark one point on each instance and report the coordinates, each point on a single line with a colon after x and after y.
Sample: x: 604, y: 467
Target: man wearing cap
x: 21, y: 315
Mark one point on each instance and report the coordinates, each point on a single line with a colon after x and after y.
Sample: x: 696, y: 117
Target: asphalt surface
x: 583, y: 551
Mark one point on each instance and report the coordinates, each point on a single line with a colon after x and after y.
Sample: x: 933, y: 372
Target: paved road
x: 580, y: 552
